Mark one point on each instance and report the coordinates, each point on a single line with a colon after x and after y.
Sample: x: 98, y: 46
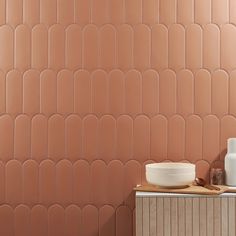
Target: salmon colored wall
x: 92, y: 90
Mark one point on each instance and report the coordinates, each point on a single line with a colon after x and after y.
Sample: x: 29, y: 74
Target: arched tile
x: 90, y: 217
x: 202, y: 92
x: 6, y: 138
x: 211, y: 138
x: 14, y: 12
x: 123, y: 221
x: 90, y: 137
x: 56, y: 137
x: 99, y: 92
x: 116, y: 178
x: 2, y: 183
x: 211, y: 47
x: 176, y: 138
x: 65, y: 92
x: 22, y: 138
x: 232, y: 12
x: 107, y: 138
x: 220, y: 12
x: 7, y: 48
x: 30, y: 183
x: 65, y: 12
x: 81, y: 190
x: 142, y: 46
x: 73, y: 55
x: 82, y: 92
x: 141, y: 138
x: 227, y: 49
x: 158, y: 142
x: 47, y: 182
x: 31, y: 92
x: 220, y: 93
x: 39, y: 49
x: 3, y: 12
x: 167, y: 9
x: 39, y: 138
x: 6, y: 221
x: 150, y: 91
x: 232, y: 94
x: 133, y: 11
x: 150, y: 12
x: 202, y: 11
x: 107, y: 40
x: 48, y: 92
x: 194, y: 135
x: 31, y: 12
x: 125, y: 44
x: 99, y: 12
x: 13, y: 182
x: 73, y: 220
x: 14, y: 92
x: 133, y: 90
x: 117, y: 12
x: 124, y: 145
x: 73, y: 137
x: 218, y: 164
x: 39, y: 221
x: 185, y: 92
x: 167, y: 96
x: 176, y: 47
x: 107, y: 221
x: 82, y: 12
x: 202, y: 169
x: 64, y: 182
x: 116, y: 92
x: 56, y: 221
x: 185, y: 12
x: 99, y: 183
x: 193, y: 46
x: 90, y: 47
x: 159, y: 40
x: 56, y: 49
x: 48, y: 12
x: 22, y: 221
x: 2, y: 92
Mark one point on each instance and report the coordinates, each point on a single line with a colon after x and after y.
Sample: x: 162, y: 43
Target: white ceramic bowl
x: 170, y: 174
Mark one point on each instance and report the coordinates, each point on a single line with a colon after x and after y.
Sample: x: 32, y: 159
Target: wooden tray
x: 188, y: 190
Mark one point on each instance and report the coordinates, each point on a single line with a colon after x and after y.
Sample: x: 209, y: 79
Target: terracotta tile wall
x: 92, y: 90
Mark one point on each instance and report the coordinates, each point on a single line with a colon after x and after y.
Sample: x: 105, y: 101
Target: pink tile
x: 168, y: 90
x: 159, y: 47
x: 82, y: 11
x: 220, y: 85
x: 116, y: 92
x: 2, y: 183
x: 158, y: 145
x: 150, y: 12
x: 125, y: 46
x: 176, y: 47
x: 106, y: 138
x: 194, y: 134
x: 99, y: 80
x: 194, y: 47
x: 90, y: 47
x: 31, y: 12
x: 185, y: 12
x: 202, y: 170
x: 202, y: 11
x: 64, y: 182
x: 232, y: 12
x: 99, y: 12
x: 65, y: 12
x: 39, y: 49
x: 107, y: 38
x: 211, y: 138
x: 39, y: 220
x: 73, y: 57
x: 211, y: 46
x: 56, y: 137
x: 117, y: 12
x: 142, y: 47
x: 123, y: 221
x: 6, y: 220
x: 22, y: 138
x: 2, y: 92
x: 65, y: 92
x: 48, y: 12
x: 232, y: 98
x: 124, y: 145
x: 30, y: 171
x: 133, y: 91
x: 220, y: 12
x: 82, y: 92
x: 133, y: 11
x: 31, y: 92
x: 81, y: 190
x: 7, y: 51
x: 39, y: 138
x: 73, y: 137
x: 107, y: 221
x: 22, y: 220
x: 176, y: 138
x: 14, y: 12
x: 202, y: 91
x: 3, y: 12
x: 167, y: 9
x: 185, y: 92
